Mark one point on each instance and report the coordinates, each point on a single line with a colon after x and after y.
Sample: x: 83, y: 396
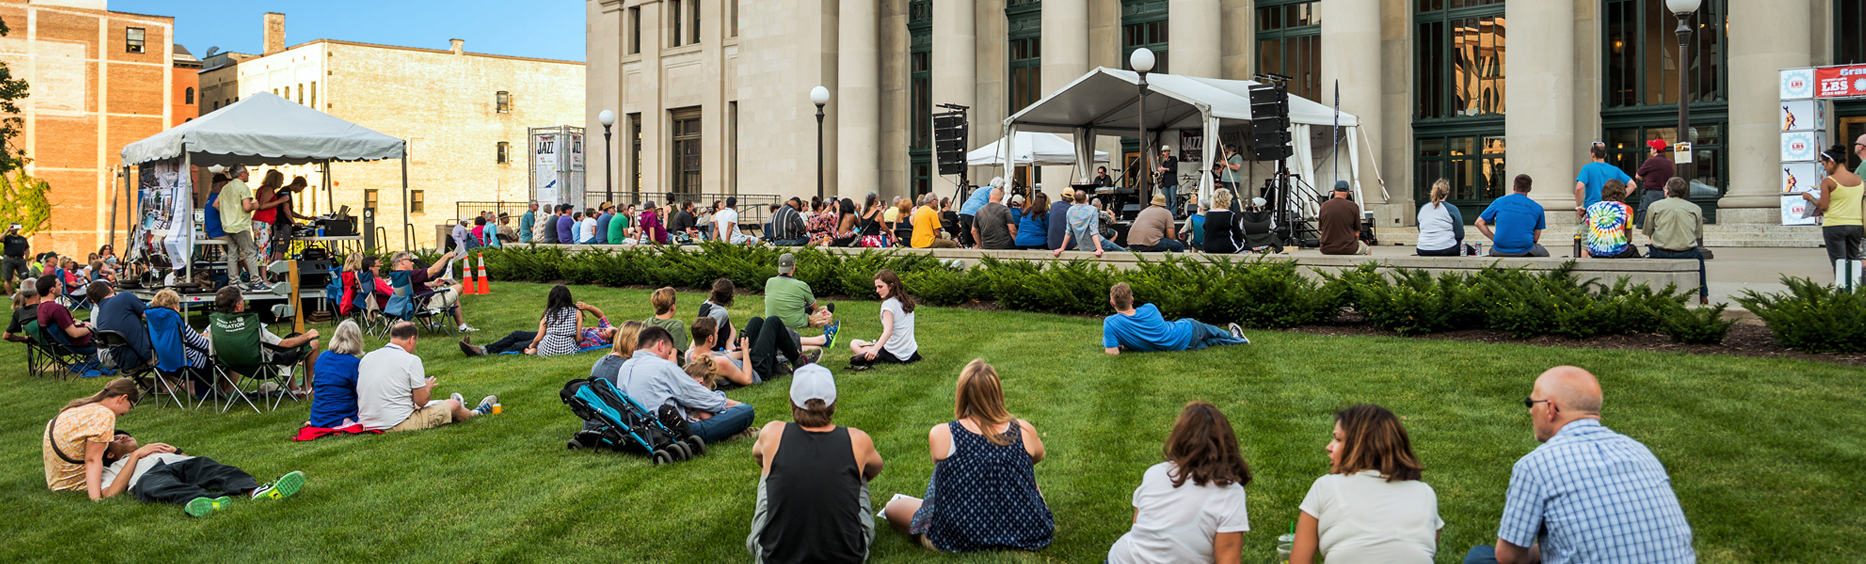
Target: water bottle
x: 320, y: 231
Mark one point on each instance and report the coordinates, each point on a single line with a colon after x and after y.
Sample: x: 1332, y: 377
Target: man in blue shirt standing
x: 1519, y: 223
x: 527, y: 223
x: 968, y: 212
x: 1587, y: 494
x: 1144, y: 330
x: 1593, y: 176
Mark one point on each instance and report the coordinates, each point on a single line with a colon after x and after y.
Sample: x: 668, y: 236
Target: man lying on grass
x: 1144, y: 330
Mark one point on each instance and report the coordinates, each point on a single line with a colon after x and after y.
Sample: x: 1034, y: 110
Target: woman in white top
x: 586, y: 227
x: 896, y: 344
x: 1191, y: 507
x: 1441, y: 227
x: 1371, y: 507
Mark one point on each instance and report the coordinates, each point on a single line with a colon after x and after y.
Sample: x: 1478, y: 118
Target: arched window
x: 188, y: 96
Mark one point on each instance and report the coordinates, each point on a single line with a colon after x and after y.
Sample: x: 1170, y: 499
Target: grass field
x: 1766, y: 455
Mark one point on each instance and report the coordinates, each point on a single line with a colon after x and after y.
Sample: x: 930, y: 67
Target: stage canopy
x: 1040, y: 149
x: 264, y: 129
x: 1103, y: 102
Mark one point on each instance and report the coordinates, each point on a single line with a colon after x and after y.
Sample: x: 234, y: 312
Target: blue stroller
x: 619, y: 423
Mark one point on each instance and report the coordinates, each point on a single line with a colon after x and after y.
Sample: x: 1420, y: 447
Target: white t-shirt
x: 1177, y: 525
x: 901, y: 342
x: 142, y: 466
x: 386, y: 380
x: 728, y: 220
x: 1365, y: 518
x: 586, y: 229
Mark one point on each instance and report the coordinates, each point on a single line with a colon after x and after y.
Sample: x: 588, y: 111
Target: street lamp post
x: 819, y: 96
x: 607, y: 118
x: 1683, y: 10
x: 1142, y: 62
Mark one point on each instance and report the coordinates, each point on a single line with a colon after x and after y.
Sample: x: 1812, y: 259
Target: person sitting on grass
x: 619, y: 353
x: 1190, y: 508
x: 791, y: 301
x: 83, y: 451
x: 664, y: 309
x: 1142, y: 329
x: 1610, y: 224
x: 1371, y: 506
x: 983, y: 493
x: 560, y: 330
x: 715, y: 306
x: 812, y: 503
x: 730, y: 365
x: 291, y: 349
x: 651, y: 378
x: 1587, y: 493
x: 333, y: 403
x: 896, y: 345
x: 393, y: 390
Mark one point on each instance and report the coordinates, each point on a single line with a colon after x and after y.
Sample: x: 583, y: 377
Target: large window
x: 1458, y: 84
x: 683, y: 22
x: 634, y: 150
x: 133, y: 40
x: 188, y: 96
x: 1025, y: 24
x: 1639, y: 98
x: 634, y: 30
x: 1143, y: 24
x: 920, y: 93
x: 1289, y: 43
x: 686, y: 151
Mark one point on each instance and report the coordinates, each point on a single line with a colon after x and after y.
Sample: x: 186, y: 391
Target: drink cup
x: 1284, y: 545
x: 498, y: 409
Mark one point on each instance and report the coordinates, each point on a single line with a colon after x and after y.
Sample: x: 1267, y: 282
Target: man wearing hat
x: 791, y: 303
x: 13, y: 265
x: 813, y: 493
x: 1169, y: 178
x: 1652, y: 176
x: 1153, y: 229
x: 1340, y: 224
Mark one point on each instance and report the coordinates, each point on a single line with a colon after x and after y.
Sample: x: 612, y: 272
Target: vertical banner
x: 544, y: 159
x: 1803, y: 124
x: 576, y: 152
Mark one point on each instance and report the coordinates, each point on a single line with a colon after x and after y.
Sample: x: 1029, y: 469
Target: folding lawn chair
x: 70, y: 360
x: 406, y: 305
x: 240, y: 356
x: 40, y: 360
x: 172, y: 367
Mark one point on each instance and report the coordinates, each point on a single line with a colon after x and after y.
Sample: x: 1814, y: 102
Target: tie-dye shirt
x: 1607, y: 233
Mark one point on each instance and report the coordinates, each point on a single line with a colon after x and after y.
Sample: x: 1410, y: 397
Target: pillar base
x: 1752, y: 216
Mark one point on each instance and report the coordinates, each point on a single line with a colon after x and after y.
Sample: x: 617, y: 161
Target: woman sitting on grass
x: 83, y: 450
x: 896, y: 344
x: 1371, y: 507
x: 624, y: 346
x: 333, y: 398
x: 983, y: 493
x: 1191, y: 507
x: 730, y: 365
x: 561, y: 326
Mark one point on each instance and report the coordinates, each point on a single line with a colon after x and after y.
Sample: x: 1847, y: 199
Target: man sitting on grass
x: 393, y: 389
x: 1587, y: 494
x: 651, y: 378
x: 1144, y: 330
x: 812, y: 503
x: 663, y: 302
x: 792, y: 303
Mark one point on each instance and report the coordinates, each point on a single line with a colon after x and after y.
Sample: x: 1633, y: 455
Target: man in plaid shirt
x: 1587, y: 494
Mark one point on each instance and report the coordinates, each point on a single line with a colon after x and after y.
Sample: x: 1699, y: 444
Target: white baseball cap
x: 812, y: 381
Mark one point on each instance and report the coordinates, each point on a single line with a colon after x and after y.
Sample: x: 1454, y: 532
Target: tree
x: 23, y: 201
x: 11, y: 89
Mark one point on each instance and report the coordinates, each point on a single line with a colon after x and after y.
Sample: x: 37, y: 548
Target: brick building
x: 464, y: 115
x: 99, y: 80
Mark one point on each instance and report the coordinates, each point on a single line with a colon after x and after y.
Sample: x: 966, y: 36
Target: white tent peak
x: 265, y: 129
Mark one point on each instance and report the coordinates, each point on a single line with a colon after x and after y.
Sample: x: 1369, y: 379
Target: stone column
x: 1758, y: 49
x: 955, y: 66
x: 1539, y: 126
x: 1351, y: 41
x: 896, y: 121
x: 858, y: 103
x: 1065, y: 42
x: 1195, y: 44
x: 1394, y: 146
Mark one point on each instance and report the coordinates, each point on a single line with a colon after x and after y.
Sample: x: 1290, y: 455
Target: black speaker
x: 950, y: 137
x: 1269, y: 120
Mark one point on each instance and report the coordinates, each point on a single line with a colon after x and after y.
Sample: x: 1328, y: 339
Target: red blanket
x: 308, y: 432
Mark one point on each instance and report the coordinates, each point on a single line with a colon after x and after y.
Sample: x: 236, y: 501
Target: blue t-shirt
x: 980, y: 196
x: 1515, y: 219
x: 123, y: 313
x: 525, y: 224
x: 602, y: 227
x: 1145, y: 331
x: 1597, y: 175
x: 335, y: 390
x: 565, y: 227
x: 1032, y: 231
x: 210, y: 216
x: 1059, y: 223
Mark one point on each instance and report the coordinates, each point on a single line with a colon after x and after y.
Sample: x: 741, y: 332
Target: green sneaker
x: 284, y: 487
x: 203, y: 506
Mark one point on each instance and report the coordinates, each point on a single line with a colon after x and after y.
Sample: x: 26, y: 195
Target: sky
x: 547, y: 29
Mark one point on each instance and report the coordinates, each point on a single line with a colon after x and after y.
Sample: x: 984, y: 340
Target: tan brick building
x: 98, y: 81
x: 464, y: 115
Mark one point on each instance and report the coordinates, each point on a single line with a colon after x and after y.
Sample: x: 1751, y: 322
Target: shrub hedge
x: 1811, y: 316
x: 1258, y: 292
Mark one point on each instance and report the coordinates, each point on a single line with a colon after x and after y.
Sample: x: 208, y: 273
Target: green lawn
x: 1764, y: 454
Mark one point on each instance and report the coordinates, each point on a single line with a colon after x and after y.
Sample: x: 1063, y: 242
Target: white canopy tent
x: 1103, y: 102
x: 1039, y: 149
x: 265, y: 129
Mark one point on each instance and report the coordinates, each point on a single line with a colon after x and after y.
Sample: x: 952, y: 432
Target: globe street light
x: 819, y: 96
x: 1683, y: 10
x: 607, y: 118
x: 1142, y: 62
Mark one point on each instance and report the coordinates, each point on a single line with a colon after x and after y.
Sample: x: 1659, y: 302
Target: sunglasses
x: 1530, y: 403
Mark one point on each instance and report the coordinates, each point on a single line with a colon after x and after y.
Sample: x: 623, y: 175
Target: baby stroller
x: 621, y: 424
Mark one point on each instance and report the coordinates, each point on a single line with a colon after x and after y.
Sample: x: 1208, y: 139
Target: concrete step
x: 1715, y: 235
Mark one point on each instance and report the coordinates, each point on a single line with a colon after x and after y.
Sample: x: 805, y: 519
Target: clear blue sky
x: 550, y: 29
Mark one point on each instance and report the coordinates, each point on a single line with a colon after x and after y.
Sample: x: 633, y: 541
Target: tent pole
x: 407, y: 231
x: 187, y: 169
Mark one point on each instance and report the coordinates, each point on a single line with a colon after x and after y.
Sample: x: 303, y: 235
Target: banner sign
x: 576, y: 151
x: 1840, y: 82
x: 1798, y: 84
x: 1803, y: 115
x: 1801, y: 146
x: 1794, y: 208
x: 1801, y: 177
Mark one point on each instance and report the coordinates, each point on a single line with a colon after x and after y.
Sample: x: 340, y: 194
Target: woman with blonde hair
x: 1222, y: 234
x: 181, y: 352
x: 1371, y: 506
x: 1190, y: 508
x: 983, y: 493
x: 333, y: 397
x: 1441, y: 227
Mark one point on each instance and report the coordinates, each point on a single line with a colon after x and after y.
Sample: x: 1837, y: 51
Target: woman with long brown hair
x: 896, y: 345
x: 983, y: 493
x: 1371, y: 507
x: 1190, y: 508
x: 1033, y: 222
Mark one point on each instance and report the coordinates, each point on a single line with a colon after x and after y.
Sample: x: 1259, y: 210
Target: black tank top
x: 813, y: 492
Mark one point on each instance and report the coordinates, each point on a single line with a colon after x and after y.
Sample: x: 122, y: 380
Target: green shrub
x: 1701, y: 326
x: 1415, y: 302
x: 944, y: 286
x: 1270, y: 293
x: 1339, y: 287
x: 1812, y: 317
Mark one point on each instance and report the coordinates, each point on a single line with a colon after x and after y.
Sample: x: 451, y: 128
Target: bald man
x: 1859, y: 148
x: 1587, y: 494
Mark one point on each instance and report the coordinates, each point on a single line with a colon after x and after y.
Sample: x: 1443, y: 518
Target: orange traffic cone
x: 466, y: 277
x: 485, y: 285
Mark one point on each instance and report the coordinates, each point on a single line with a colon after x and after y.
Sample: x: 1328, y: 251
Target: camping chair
x: 406, y: 305
x: 74, y: 298
x: 240, y: 356
x: 360, y: 303
x: 172, y: 368
x: 40, y: 360
x: 73, y: 361
x: 111, y: 345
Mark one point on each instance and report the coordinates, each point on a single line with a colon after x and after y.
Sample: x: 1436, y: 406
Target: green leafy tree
x: 11, y: 90
x: 23, y: 200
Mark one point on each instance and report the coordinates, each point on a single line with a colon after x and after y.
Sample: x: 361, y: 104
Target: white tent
x: 1039, y: 149
x: 265, y: 129
x: 1103, y: 102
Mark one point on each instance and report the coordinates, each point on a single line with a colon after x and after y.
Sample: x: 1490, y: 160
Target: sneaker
x: 259, y: 287
x: 459, y: 399
x: 204, y: 506
x: 748, y: 433
x: 268, y: 388
x: 464, y: 328
x: 1238, y: 332
x: 471, y: 350
x: 284, y: 487
x: 812, y: 357
x: 485, y: 405
x: 829, y: 334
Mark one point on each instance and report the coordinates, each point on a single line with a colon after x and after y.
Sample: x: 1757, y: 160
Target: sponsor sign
x: 1793, y: 210
x: 1840, y: 82
x: 1801, y: 146
x: 1797, y: 84
x: 1801, y: 177
x: 1799, y: 115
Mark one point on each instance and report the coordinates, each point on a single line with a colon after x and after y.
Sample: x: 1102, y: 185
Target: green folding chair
x: 240, y: 358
